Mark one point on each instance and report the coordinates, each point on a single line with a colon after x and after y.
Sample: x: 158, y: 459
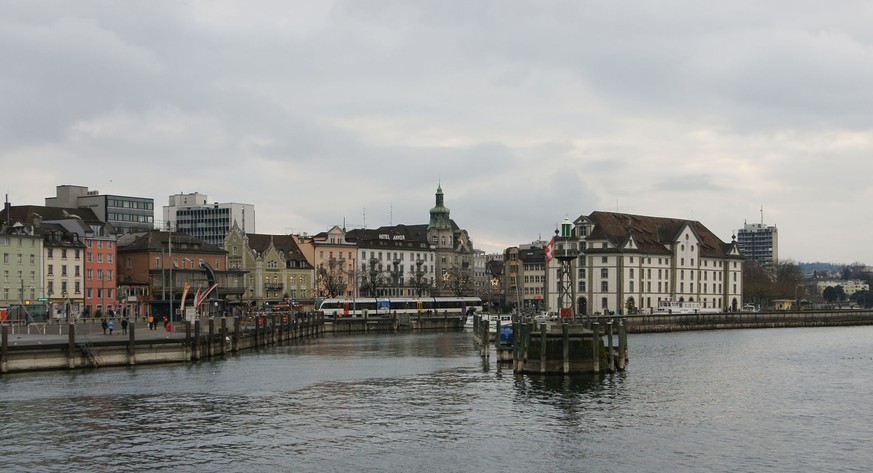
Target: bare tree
x: 373, y: 281
x: 419, y: 281
x: 332, y: 279
x: 459, y: 281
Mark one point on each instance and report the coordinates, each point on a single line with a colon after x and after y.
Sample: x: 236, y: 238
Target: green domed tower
x: 439, y: 215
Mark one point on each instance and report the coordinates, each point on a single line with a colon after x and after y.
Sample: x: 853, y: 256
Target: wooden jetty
x: 59, y: 347
x: 557, y: 347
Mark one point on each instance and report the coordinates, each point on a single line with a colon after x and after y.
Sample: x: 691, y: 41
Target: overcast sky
x: 320, y: 112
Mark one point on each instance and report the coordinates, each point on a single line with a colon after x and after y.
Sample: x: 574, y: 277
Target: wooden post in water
x: 211, y: 339
x: 610, y: 352
x: 223, y: 335
x: 484, y: 346
x: 236, y: 335
x: 496, y: 334
x: 195, y: 346
x: 131, y: 344
x: 595, y: 343
x: 565, y: 336
x: 543, y: 347
x: 71, y: 348
x: 4, y: 350
x: 622, y: 345
x: 516, y: 344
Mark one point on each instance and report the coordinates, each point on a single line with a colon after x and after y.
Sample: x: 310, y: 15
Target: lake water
x: 746, y: 400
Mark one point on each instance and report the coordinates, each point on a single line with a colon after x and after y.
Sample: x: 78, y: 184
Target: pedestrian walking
x: 151, y: 322
x: 124, y: 326
x: 111, y: 326
x: 104, y: 325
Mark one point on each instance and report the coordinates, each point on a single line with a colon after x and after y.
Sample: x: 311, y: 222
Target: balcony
x: 273, y: 286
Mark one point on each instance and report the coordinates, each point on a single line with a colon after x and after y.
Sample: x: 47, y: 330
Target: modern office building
x: 126, y: 214
x: 192, y: 214
x: 759, y: 242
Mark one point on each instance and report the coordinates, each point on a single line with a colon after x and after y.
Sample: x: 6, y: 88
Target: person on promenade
x: 104, y: 325
x: 124, y: 326
x: 111, y: 326
x: 151, y: 322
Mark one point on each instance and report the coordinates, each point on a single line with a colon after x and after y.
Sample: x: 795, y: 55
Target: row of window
x: 130, y: 204
x: 6, y: 241
x: 119, y: 217
x: 20, y: 274
x: 716, y: 302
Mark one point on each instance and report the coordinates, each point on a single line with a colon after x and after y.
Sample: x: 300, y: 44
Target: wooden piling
x: 71, y: 346
x: 622, y: 345
x: 565, y: 336
x: 4, y: 350
x: 195, y: 346
x: 223, y: 336
x: 543, y: 347
x: 236, y: 335
x: 210, y: 339
x: 595, y: 344
x: 131, y: 344
x: 610, y: 350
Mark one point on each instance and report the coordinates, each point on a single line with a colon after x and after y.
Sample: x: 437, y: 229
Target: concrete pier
x: 82, y: 346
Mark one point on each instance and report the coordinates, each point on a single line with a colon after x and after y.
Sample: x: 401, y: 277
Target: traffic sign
x: 42, y: 299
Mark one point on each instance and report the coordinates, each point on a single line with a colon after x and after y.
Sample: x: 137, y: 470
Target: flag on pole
x: 550, y: 251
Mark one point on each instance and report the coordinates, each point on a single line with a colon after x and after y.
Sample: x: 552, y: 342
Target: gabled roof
x: 284, y: 244
x: 653, y: 235
x: 28, y: 213
x: 155, y: 240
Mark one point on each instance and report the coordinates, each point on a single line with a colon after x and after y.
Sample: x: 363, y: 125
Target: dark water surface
x: 745, y: 400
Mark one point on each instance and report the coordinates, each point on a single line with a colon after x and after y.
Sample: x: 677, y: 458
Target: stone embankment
x: 746, y: 320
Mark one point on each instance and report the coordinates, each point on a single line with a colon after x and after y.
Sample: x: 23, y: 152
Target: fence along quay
x: 37, y: 347
x: 57, y: 346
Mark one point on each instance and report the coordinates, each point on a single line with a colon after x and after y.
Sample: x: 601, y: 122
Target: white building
x: 643, y: 260
x: 194, y: 215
